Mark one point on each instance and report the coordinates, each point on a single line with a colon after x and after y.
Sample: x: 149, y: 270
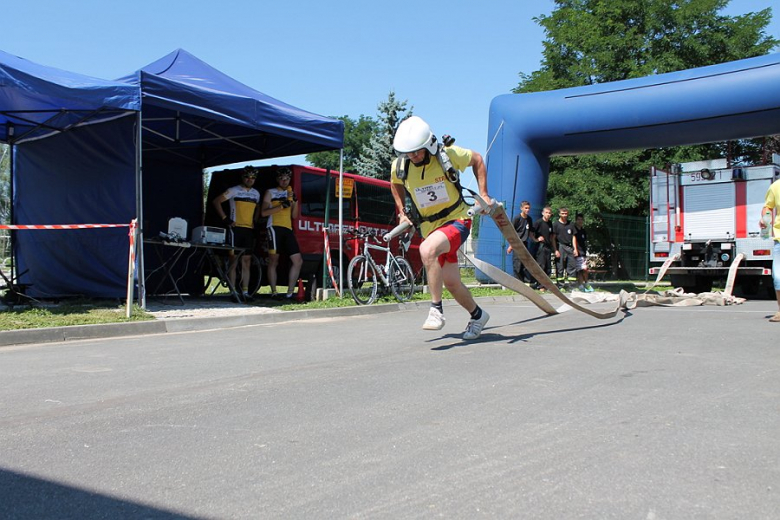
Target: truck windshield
x: 313, y: 190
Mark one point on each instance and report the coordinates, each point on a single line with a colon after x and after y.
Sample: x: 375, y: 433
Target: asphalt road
x: 661, y: 414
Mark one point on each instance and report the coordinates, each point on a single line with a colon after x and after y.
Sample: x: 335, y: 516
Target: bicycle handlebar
x: 387, y: 237
x: 363, y: 235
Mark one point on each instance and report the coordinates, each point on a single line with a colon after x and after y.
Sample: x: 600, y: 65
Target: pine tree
x: 377, y: 158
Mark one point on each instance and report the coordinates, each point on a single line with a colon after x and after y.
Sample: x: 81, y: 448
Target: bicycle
x: 215, y: 268
x: 367, y: 279
x: 13, y: 292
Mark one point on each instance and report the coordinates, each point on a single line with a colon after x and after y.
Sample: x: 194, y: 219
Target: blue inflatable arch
x: 734, y: 100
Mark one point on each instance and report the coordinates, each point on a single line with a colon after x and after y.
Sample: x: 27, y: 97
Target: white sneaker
x: 435, y: 320
x: 474, y: 328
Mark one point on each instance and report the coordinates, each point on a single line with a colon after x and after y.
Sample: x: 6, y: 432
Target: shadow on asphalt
x: 24, y: 496
x: 488, y: 337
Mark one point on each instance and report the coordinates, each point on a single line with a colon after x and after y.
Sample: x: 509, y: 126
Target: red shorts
x: 457, y: 232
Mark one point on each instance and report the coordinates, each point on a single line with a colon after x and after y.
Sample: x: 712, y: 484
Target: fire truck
x: 707, y: 212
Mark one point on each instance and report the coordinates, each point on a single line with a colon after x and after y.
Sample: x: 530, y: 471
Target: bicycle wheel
x: 362, y: 279
x: 401, y: 280
x: 211, y: 274
x: 255, y: 275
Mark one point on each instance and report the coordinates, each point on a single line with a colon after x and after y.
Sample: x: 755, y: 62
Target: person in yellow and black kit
x: 244, y: 206
x: 435, y: 193
x: 281, y: 206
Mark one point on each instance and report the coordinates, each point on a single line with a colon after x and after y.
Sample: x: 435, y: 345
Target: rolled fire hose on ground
x: 678, y: 298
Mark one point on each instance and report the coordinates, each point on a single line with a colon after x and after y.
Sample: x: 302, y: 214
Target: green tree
x: 594, y: 41
x: 357, y: 135
x: 376, y: 159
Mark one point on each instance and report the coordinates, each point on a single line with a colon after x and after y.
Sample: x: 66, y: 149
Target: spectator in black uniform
x: 565, y: 249
x: 581, y: 246
x: 542, y: 233
x: 523, y: 224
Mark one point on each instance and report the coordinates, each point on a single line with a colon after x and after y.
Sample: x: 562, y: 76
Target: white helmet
x: 414, y: 134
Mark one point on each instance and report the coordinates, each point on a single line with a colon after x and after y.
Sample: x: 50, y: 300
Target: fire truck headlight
x: 725, y: 257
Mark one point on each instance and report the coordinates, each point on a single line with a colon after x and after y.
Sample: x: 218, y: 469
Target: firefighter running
x: 428, y: 172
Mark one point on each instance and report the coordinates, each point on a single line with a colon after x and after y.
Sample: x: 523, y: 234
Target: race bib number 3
x: 427, y: 196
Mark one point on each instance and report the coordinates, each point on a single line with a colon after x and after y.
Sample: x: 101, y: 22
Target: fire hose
x: 624, y: 300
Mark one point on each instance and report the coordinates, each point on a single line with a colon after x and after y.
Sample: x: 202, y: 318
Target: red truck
x: 367, y: 206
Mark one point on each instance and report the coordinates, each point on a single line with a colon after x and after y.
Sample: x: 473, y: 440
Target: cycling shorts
x: 281, y: 240
x: 243, y: 238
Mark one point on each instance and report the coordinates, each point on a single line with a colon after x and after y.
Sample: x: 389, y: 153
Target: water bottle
x: 766, y: 231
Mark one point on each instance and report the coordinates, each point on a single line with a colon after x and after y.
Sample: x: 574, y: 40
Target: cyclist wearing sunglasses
x: 244, y: 211
x: 280, y: 205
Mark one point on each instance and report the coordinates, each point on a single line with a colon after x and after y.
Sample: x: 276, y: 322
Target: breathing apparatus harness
x: 450, y: 172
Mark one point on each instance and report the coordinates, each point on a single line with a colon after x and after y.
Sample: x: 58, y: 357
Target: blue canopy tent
x: 195, y: 117
x: 73, y: 161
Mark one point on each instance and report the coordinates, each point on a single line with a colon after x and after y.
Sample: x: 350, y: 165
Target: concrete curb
x: 76, y: 332
x: 137, y: 328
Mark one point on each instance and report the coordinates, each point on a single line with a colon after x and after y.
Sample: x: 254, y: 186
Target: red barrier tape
x: 63, y: 226
x: 330, y: 265
x: 133, y: 225
x: 131, y: 269
x: 131, y: 235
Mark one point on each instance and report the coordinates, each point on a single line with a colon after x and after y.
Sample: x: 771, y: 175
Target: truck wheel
x: 699, y: 285
x: 749, y: 287
x: 704, y: 285
x: 755, y: 288
x: 311, y: 286
x: 318, y: 273
x: 683, y: 281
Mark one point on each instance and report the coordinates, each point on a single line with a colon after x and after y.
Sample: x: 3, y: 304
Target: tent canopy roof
x: 37, y: 100
x: 194, y: 111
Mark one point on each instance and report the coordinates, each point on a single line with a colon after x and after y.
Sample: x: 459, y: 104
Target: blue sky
x: 449, y: 59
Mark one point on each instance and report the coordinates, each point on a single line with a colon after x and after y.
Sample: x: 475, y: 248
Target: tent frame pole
x: 326, y: 217
x: 11, y: 212
x: 139, y: 211
x: 341, y: 220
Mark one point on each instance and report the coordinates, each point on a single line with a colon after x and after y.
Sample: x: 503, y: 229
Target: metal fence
x: 626, y: 254
x: 617, y: 247
x: 5, y: 245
